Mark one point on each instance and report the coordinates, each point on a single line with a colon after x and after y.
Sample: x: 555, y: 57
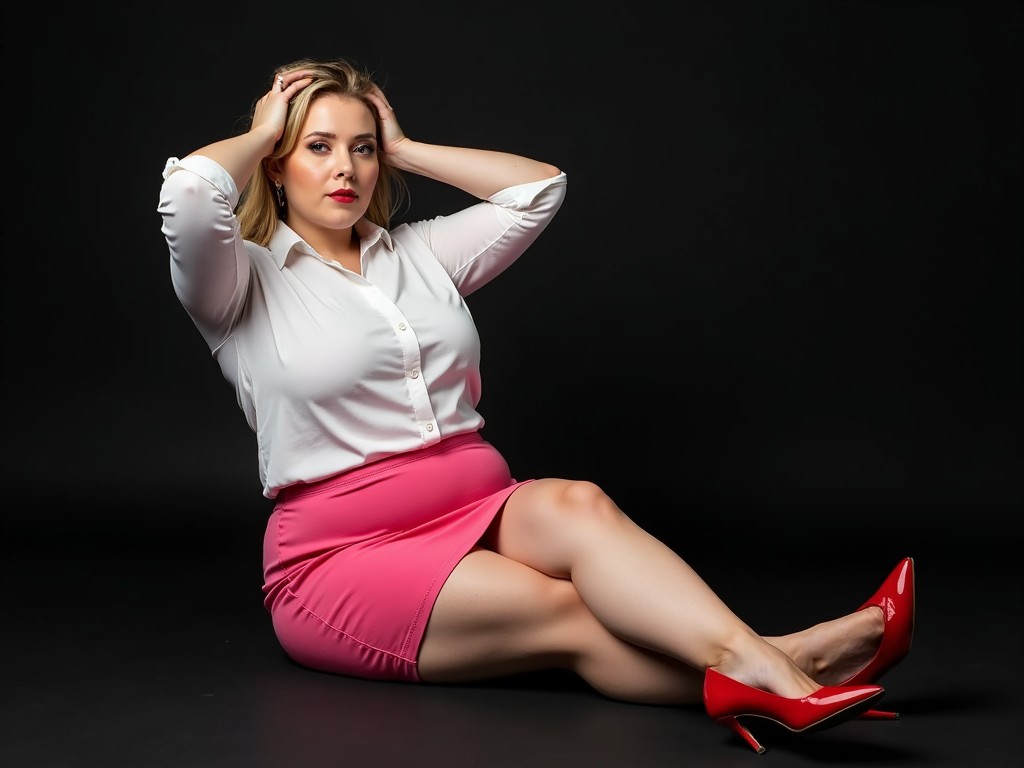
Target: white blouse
x: 333, y: 369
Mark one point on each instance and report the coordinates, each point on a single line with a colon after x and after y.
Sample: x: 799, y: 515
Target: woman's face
x: 330, y: 175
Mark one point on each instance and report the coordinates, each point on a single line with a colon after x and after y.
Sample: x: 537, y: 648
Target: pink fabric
x: 353, y: 564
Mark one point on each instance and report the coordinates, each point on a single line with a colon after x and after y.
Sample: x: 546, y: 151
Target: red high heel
x: 726, y: 700
x: 896, y: 599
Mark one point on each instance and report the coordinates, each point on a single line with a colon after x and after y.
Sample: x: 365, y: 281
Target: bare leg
x: 635, y: 586
x: 574, y: 584
x: 496, y: 616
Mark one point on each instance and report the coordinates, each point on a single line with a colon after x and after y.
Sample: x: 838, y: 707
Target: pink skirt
x: 353, y: 564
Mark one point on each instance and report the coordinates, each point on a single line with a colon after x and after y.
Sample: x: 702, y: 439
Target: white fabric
x: 333, y: 369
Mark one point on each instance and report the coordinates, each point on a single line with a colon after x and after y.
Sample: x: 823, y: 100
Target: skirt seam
x: 342, y: 632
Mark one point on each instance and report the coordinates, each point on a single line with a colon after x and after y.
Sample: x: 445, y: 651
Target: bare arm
x: 480, y: 172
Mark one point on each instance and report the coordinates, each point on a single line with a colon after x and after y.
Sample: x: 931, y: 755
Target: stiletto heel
x: 732, y: 722
x: 726, y: 700
x: 896, y: 599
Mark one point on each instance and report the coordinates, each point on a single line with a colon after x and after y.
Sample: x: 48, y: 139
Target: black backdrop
x: 786, y: 277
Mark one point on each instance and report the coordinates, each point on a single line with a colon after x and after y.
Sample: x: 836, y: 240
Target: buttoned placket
x: 411, y: 359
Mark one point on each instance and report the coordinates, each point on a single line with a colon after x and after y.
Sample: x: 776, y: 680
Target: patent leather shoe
x: 896, y: 599
x: 726, y: 700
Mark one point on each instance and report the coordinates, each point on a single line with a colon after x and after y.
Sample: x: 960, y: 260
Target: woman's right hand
x: 271, y: 110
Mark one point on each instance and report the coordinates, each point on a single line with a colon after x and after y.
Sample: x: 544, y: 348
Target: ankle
x: 724, y: 651
x: 744, y: 656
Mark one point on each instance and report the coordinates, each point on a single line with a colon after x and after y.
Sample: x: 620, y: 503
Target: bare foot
x: 834, y: 651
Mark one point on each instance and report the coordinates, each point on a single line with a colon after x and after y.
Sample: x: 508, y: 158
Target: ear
x: 273, y: 169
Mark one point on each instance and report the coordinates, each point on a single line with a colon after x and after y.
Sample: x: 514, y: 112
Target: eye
x: 364, y: 149
x: 318, y: 147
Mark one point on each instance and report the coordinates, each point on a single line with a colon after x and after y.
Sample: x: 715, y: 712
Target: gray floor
x: 121, y: 651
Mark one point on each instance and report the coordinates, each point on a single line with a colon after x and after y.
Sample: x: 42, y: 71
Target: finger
x: 377, y: 96
x: 286, y: 80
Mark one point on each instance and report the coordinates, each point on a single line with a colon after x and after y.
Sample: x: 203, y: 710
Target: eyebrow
x: 329, y: 135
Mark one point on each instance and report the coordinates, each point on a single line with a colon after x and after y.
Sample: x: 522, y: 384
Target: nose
x: 344, y: 168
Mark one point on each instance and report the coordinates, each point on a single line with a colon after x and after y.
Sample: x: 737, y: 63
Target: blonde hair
x: 258, y: 212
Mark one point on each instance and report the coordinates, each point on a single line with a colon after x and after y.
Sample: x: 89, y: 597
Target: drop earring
x: 280, y: 194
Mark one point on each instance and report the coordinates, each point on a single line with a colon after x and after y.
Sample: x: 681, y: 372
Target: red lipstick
x: 343, y: 195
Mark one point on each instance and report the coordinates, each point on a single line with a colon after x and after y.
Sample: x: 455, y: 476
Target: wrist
x: 400, y: 154
x: 264, y: 138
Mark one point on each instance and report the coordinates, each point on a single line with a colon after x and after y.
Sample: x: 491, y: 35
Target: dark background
x: 778, y: 317
x: 788, y: 268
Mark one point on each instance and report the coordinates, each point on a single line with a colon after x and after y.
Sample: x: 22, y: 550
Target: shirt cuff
x: 210, y: 170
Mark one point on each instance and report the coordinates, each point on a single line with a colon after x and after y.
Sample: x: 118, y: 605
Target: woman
x: 400, y: 547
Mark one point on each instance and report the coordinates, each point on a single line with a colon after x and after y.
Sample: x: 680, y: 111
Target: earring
x: 280, y: 194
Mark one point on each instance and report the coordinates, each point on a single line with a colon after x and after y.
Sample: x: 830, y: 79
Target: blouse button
x: 430, y: 427
x: 401, y: 326
x: 415, y: 374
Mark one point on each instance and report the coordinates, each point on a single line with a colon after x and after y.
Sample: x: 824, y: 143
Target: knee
x: 587, y: 502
